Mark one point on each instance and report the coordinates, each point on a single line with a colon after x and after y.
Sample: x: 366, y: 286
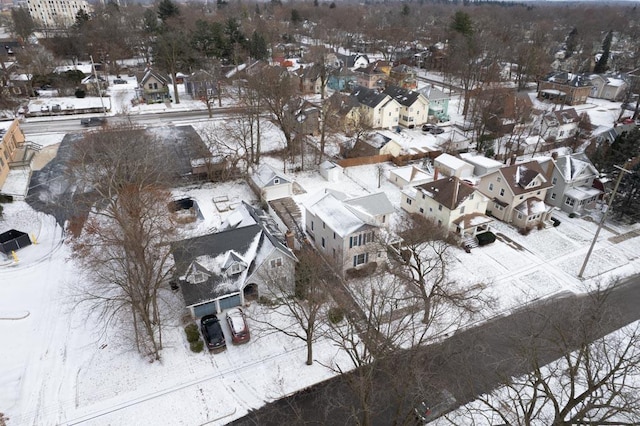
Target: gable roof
x: 450, y: 191
x: 566, y: 116
x: 266, y: 175
x: 518, y: 176
x: 568, y: 79
x: 368, y: 206
x: 333, y: 212
x: 214, y: 253
x: 148, y: 73
x: 575, y: 166
x: 403, y: 96
x: 368, y: 97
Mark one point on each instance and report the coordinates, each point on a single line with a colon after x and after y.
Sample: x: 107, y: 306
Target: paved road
x: 468, y: 364
x: 71, y: 123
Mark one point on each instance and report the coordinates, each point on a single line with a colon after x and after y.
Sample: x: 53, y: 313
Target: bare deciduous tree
x: 594, y: 382
x: 124, y: 245
x: 303, y: 304
x: 421, y: 261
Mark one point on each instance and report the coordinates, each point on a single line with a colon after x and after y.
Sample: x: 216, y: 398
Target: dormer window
x: 276, y: 181
x: 199, y: 277
x: 235, y: 269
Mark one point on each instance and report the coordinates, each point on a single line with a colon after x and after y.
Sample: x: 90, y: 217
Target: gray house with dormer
x: 572, y: 178
x: 226, y: 269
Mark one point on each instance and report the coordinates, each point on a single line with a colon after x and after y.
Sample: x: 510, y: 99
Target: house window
x: 150, y: 86
x: 360, y: 259
x: 199, y: 277
x: 155, y: 86
x: 322, y: 242
x: 439, y: 222
x: 235, y: 268
x: 462, y: 210
x: 490, y: 187
x: 521, y: 197
x: 501, y: 192
x: 423, y: 196
x: 553, y: 195
x: 276, y: 262
x: 439, y: 207
x: 499, y: 179
x: 421, y: 210
x: 570, y: 201
x: 324, y: 225
x: 408, y: 200
x: 538, y: 193
x: 519, y: 215
x: 471, y: 197
x: 384, y: 218
x: 554, y: 180
x: 276, y: 181
x: 334, y: 235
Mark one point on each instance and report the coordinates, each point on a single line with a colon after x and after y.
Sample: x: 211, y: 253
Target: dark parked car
x: 427, y: 413
x: 436, y: 130
x: 93, y: 121
x: 119, y: 81
x: 238, y: 325
x: 212, y: 333
x: 427, y: 127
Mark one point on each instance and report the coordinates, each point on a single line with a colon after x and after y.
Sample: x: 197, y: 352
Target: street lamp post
x: 604, y: 217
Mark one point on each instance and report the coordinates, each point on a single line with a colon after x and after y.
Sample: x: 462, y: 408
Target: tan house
x: 380, y: 110
x: 153, y: 87
x: 451, y: 203
x: 12, y: 140
x: 414, y: 106
x: 517, y: 194
x: 563, y: 87
x: 370, y: 77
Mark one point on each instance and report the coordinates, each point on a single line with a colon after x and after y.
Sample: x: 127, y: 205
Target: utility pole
x: 95, y: 75
x: 604, y: 217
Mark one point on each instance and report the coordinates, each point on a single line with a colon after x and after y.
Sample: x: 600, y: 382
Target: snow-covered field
x: 59, y: 368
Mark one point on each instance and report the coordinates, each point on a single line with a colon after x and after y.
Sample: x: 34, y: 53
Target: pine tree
x: 601, y: 65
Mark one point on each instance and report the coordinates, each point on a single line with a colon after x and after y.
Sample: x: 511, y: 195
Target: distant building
x: 563, y: 87
x: 56, y: 13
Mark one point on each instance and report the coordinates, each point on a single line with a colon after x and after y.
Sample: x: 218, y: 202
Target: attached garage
x: 13, y: 240
x: 216, y: 306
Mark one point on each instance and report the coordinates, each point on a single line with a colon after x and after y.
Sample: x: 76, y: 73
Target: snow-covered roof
x: 370, y: 205
x: 335, y: 214
x: 266, y: 175
x: 582, y: 192
x: 481, y: 160
x: 411, y: 173
x: 450, y: 161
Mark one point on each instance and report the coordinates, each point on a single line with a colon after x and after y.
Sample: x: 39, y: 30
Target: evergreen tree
x: 295, y: 16
x: 167, y: 9
x: 258, y: 46
x: 601, y: 65
x: 82, y: 18
x: 572, y: 42
x: 461, y: 23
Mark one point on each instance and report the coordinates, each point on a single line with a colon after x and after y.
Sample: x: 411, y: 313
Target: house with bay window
x: 572, y: 177
x: 345, y: 229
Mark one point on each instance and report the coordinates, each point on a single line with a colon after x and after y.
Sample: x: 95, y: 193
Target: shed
x: 13, y: 240
x: 330, y: 171
x: 270, y: 184
x: 449, y: 165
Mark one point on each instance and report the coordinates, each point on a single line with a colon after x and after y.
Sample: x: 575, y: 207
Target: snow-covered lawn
x: 57, y: 367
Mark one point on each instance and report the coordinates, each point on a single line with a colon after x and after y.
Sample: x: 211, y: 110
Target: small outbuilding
x: 13, y: 240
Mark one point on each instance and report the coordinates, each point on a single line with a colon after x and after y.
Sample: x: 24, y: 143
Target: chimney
x: 435, y: 173
x: 456, y: 187
x: 290, y: 241
x: 554, y: 155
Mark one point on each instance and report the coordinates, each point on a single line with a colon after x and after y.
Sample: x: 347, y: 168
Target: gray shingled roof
x: 368, y: 97
x: 403, y: 96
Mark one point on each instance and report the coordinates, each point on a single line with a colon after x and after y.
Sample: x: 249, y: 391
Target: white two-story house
x: 414, y: 106
x: 449, y: 202
x: 346, y: 230
x: 517, y: 194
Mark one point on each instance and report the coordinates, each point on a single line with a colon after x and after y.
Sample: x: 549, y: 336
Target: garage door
x: 230, y: 302
x: 204, y: 309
